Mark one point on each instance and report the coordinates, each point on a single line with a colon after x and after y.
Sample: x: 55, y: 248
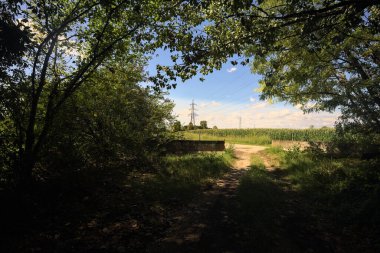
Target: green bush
x: 352, y: 142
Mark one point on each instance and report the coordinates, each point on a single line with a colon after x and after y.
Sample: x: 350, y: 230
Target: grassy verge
x: 340, y: 186
x: 349, y: 189
x: 315, y: 195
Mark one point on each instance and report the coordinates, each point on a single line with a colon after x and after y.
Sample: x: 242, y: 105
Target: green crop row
x: 317, y: 134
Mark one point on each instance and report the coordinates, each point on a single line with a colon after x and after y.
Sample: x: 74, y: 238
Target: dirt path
x: 243, y: 155
x: 256, y: 212
x: 193, y: 230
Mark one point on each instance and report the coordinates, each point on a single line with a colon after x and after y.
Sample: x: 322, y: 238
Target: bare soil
x: 243, y: 155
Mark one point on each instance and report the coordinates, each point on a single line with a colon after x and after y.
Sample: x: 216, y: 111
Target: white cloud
x: 231, y: 70
x: 215, y: 103
x: 210, y: 104
x: 203, y: 105
x: 70, y: 47
x: 251, y: 99
x: 259, y: 115
x: 259, y: 105
x: 279, y: 114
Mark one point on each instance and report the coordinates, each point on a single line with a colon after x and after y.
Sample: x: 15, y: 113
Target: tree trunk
x: 24, y: 177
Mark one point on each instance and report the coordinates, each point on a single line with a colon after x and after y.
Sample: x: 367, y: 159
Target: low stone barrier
x: 300, y: 144
x: 188, y: 146
x: 290, y: 144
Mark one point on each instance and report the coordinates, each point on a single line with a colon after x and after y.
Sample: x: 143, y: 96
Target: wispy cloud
x: 231, y: 70
x: 251, y: 99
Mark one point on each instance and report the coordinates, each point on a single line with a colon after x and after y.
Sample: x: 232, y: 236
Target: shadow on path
x: 251, y: 210
x: 264, y: 216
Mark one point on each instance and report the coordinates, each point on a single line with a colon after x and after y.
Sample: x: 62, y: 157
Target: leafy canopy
x: 323, y: 55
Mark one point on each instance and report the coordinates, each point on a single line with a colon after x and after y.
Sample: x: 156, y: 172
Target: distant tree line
x: 177, y: 126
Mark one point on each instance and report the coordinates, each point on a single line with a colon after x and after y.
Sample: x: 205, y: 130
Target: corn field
x: 264, y: 135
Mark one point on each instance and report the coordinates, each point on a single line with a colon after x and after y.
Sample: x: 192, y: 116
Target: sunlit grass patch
x: 273, y: 156
x: 257, y: 162
x: 229, y: 153
x: 183, y: 177
x: 196, y: 167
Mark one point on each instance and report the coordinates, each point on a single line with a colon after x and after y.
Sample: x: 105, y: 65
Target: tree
x: 190, y: 126
x: 109, y: 120
x: 177, y: 126
x: 214, y: 127
x: 203, y: 124
x: 323, y: 55
x: 69, y: 41
x: 332, y: 66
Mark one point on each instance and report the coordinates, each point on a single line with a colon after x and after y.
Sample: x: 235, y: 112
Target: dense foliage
x: 14, y: 37
x: 110, y: 121
x: 69, y: 41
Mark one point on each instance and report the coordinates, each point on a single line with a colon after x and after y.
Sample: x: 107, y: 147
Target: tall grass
x: 340, y: 197
x: 341, y: 186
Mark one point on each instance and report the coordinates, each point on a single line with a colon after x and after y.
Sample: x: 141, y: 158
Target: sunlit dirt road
x: 243, y: 154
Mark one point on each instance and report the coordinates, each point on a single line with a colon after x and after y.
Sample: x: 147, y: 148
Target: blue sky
x: 231, y: 93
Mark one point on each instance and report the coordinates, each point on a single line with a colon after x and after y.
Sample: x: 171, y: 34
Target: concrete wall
x: 188, y: 146
x: 290, y: 144
x: 300, y: 144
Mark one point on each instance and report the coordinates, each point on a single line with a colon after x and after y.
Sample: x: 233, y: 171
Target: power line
x: 192, y: 112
